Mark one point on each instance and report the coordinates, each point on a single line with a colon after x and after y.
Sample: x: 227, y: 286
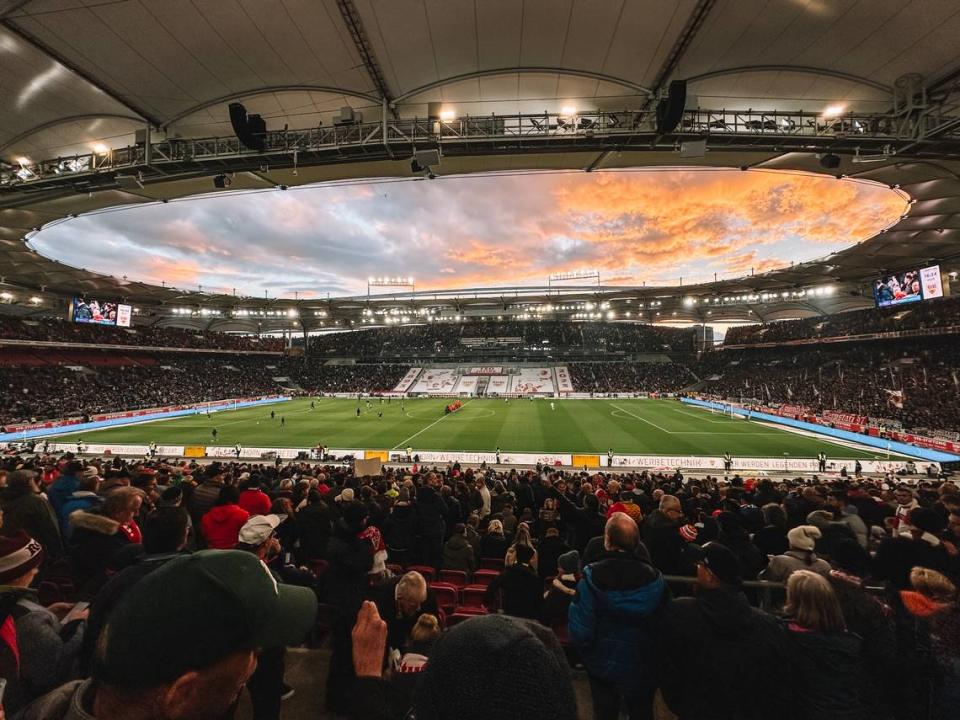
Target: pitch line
x: 637, y: 417
x: 704, y: 419
x: 441, y: 418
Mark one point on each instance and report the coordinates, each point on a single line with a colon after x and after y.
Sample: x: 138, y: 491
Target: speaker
x: 670, y: 109
x: 830, y: 161
x: 251, y: 130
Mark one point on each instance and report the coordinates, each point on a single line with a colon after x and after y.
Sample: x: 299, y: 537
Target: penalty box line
x: 440, y: 419
x: 637, y: 417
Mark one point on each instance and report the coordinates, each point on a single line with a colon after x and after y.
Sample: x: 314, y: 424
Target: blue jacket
x: 80, y: 500
x: 61, y: 490
x: 612, y: 618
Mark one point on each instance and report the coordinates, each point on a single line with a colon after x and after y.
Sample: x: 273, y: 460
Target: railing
x: 878, y: 133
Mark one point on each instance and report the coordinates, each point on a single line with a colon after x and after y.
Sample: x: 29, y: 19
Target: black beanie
x: 496, y: 666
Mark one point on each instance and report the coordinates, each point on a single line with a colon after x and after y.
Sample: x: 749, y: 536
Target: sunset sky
x: 652, y: 226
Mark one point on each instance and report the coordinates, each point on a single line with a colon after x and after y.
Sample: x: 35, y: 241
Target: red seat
x: 472, y: 596
x: 457, y: 578
x: 446, y: 595
x: 491, y: 563
x: 429, y: 574
x: 318, y: 566
x: 395, y: 569
x: 485, y: 577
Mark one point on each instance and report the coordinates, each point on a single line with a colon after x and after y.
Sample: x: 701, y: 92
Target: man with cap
x: 494, y: 666
x: 560, y: 592
x: 719, y: 657
x: 183, y: 642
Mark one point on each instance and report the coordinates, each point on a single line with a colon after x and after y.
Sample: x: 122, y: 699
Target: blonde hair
x: 495, y: 527
x: 426, y: 629
x: 933, y: 584
x: 812, y: 602
x: 523, y: 536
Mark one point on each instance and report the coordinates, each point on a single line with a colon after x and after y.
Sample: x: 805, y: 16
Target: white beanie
x: 803, y: 537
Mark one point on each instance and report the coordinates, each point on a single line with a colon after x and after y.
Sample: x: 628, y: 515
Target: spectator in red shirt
x: 252, y: 499
x: 221, y: 525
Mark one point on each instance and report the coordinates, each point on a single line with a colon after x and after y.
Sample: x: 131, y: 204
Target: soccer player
x: 213, y: 431
x: 358, y: 411
x: 273, y: 415
x: 380, y: 415
x: 552, y: 406
x: 283, y: 421
x: 313, y: 405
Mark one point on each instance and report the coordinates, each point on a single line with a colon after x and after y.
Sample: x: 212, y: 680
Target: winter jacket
x: 61, y: 489
x: 783, y: 566
x: 95, y: 544
x: 771, y: 540
x: 27, y: 511
x: 897, y: 556
x: 586, y: 524
x: 613, y: 618
x: 221, y: 526
x: 255, y: 502
x: 494, y: 546
x: 49, y: 650
x: 549, y: 550
x: 662, y: 537
x: 203, y: 498
x: 315, y: 523
x: 458, y: 555
x: 521, y: 591
x: 80, y: 500
x: 826, y: 669
x: 400, y: 528
x: 346, y: 578
x: 706, y: 642
x: 430, y: 513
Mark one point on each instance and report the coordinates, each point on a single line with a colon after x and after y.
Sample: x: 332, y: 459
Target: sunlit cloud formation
x: 634, y: 227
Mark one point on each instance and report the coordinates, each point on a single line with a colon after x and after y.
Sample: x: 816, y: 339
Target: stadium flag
x: 953, y: 374
x: 789, y: 392
x: 767, y: 390
x: 895, y: 398
x: 924, y: 377
x: 815, y: 391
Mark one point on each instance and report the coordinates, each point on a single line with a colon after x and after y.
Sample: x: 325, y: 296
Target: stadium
x: 613, y: 343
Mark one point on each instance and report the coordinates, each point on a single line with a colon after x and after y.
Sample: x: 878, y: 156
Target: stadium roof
x: 873, y: 81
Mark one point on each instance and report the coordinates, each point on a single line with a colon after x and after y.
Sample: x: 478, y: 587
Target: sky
x: 652, y: 226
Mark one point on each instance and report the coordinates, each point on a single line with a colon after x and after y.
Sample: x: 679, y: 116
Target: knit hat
x: 345, y: 496
x: 496, y: 666
x: 193, y: 612
x: 569, y: 562
x: 847, y: 555
x: 19, y: 554
x: 688, y: 532
x: 804, y: 537
x: 91, y: 471
x: 719, y: 560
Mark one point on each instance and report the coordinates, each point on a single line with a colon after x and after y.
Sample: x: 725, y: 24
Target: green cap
x: 195, y: 611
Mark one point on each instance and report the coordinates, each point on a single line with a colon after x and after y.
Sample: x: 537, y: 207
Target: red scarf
x: 132, y: 532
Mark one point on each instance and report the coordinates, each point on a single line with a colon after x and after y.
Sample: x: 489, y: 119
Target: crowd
x: 611, y: 377
x: 64, y: 331
x: 314, y: 376
x: 913, y: 382
x: 570, y: 567
x: 436, y: 338
x: 925, y: 315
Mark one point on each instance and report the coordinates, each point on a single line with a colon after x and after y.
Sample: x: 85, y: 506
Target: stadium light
x: 832, y: 111
x: 35, y: 300
x: 100, y: 148
x: 448, y: 115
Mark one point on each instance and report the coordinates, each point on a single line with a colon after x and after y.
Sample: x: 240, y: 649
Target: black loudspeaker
x: 670, y: 109
x: 830, y: 161
x: 251, y: 130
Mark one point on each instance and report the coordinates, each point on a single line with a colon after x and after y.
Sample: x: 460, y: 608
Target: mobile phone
x: 3, y: 689
x: 74, y: 611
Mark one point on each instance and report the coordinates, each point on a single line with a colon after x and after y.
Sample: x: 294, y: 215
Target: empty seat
x: 485, y: 577
x: 447, y: 596
x: 472, y: 596
x: 429, y: 574
x: 491, y: 563
x: 457, y: 578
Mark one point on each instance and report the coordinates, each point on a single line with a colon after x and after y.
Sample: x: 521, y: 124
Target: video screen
x: 99, y: 312
x: 898, y: 289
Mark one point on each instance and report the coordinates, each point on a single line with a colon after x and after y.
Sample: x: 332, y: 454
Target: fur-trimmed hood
x: 94, y: 522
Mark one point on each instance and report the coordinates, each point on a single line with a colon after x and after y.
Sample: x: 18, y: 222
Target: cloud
x: 635, y: 227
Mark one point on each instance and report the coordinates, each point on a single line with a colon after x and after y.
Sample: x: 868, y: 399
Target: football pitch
x: 641, y: 427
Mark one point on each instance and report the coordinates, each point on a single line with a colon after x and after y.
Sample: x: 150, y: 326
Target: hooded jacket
x: 95, y: 541
x: 399, y: 529
x: 612, y: 619
x: 221, y: 526
x: 783, y: 566
x: 80, y: 500
x: 705, y: 644
x: 430, y: 512
x: 458, y: 555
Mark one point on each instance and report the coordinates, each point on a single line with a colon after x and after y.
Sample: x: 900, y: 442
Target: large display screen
x: 908, y: 287
x: 100, y: 312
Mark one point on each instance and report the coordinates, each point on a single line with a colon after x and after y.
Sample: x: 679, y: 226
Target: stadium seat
x: 457, y: 578
x: 462, y: 614
x: 446, y: 595
x: 429, y: 574
x: 395, y: 569
x: 485, y: 577
x: 491, y: 563
x: 472, y: 596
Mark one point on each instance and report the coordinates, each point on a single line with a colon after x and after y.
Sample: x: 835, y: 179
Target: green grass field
x: 646, y: 427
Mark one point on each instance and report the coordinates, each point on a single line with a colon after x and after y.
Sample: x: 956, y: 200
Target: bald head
x: 621, y: 533
x: 411, y: 593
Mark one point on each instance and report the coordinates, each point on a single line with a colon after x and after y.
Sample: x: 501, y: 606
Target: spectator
x: 661, y: 535
x: 221, y: 525
x: 487, y: 667
x: 493, y: 544
x: 800, y: 556
x: 918, y: 546
x: 252, y: 498
x: 707, y: 640
x: 457, y: 552
x: 99, y: 537
x: 25, y: 509
x: 519, y: 587
x: 401, y: 601
x: 847, y: 514
x: 315, y: 523
x: 413, y: 662
x: 560, y: 593
x: 613, y: 620
x: 551, y: 548
x: 825, y: 659
x: 431, y: 526
x: 522, y: 538
x: 772, y: 538
x: 85, y: 497
x: 182, y: 642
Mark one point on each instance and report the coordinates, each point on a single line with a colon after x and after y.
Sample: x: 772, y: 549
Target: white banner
x: 430, y: 456
x: 533, y: 381
x: 433, y: 381
x: 467, y: 385
x: 486, y: 370
x: 407, y: 380
x: 533, y: 459
x: 564, y: 384
x: 498, y: 385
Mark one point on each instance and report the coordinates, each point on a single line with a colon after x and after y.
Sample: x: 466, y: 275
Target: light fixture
x: 100, y: 148
x: 568, y: 111
x: 832, y: 111
x: 448, y: 115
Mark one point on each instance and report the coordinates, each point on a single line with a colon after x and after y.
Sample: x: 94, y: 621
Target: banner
x: 484, y: 370
x: 497, y: 385
x: 407, y: 380
x: 564, y: 384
